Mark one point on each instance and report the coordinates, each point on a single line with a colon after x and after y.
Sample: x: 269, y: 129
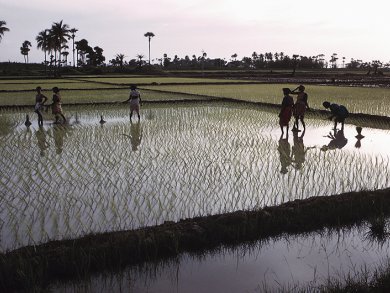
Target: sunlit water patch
x: 179, y: 161
x: 290, y: 263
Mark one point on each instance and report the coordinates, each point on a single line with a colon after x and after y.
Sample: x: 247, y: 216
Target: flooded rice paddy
x: 289, y: 263
x: 65, y: 181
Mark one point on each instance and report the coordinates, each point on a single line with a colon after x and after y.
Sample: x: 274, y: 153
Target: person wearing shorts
x: 135, y: 101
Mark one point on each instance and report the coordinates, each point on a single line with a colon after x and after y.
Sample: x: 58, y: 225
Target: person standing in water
x: 56, y: 105
x: 300, y: 107
x: 286, y: 110
x: 40, y: 100
x: 135, y: 101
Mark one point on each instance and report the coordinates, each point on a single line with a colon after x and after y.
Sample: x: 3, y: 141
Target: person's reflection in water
x: 284, y: 150
x: 59, y: 131
x: 299, y: 151
x: 359, y: 137
x: 337, y: 140
x: 41, y: 140
x: 136, y: 135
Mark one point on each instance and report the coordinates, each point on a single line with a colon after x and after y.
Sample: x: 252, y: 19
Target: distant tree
x: 82, y: 48
x: 3, y: 28
x: 73, y: 32
x: 140, y: 61
x: 295, y: 63
x: 166, y: 60
x: 234, y: 57
x: 333, y: 60
x: 119, y: 59
x: 149, y: 35
x: 59, y: 33
x: 43, y: 42
x: 98, y: 58
x: 24, y: 49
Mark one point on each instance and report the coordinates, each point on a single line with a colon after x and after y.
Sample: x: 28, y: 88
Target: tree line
x: 54, y: 43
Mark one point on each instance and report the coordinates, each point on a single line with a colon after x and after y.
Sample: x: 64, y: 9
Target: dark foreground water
x: 288, y: 262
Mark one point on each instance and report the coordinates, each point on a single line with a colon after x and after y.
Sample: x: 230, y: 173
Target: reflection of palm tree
x: 135, y: 135
x: 284, y: 150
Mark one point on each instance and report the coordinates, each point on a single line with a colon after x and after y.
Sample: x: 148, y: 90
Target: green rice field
x: 115, y: 89
x: 354, y: 98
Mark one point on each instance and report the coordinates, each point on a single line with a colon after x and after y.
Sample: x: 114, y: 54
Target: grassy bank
x: 37, y: 266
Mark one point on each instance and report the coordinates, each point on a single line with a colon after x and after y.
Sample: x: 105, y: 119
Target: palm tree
x: 73, y: 32
x: 3, y: 29
x: 119, y: 59
x: 149, y: 35
x: 59, y: 32
x: 43, y: 42
x: 24, y: 49
x: 140, y: 57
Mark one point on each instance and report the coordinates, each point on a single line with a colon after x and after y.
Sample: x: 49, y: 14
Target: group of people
x: 41, y: 99
x: 298, y: 108
x: 56, y: 108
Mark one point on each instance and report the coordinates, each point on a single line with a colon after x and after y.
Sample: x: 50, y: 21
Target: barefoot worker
x: 286, y: 110
x: 300, y: 107
x: 135, y: 101
x: 56, y: 107
x: 40, y: 100
x: 339, y: 113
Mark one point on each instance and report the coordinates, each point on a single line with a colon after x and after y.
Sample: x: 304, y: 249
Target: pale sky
x: 352, y: 29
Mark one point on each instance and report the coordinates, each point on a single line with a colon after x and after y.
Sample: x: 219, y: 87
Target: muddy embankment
x: 37, y: 266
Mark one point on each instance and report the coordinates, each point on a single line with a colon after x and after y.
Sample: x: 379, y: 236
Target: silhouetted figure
x: 135, y: 101
x: 27, y: 122
x: 40, y: 100
x: 338, y: 140
x: 339, y: 113
x: 102, y: 121
x: 286, y: 110
x: 56, y: 105
x: 284, y: 150
x: 359, y: 137
x: 300, y: 107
